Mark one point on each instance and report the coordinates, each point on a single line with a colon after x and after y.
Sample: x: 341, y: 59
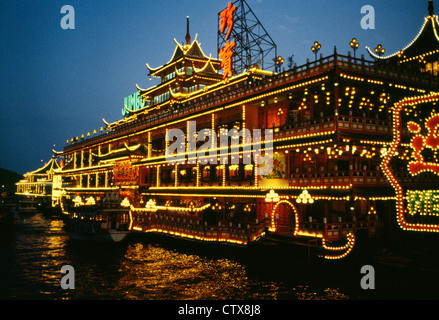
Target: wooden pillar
x: 158, y: 176
x: 149, y: 145
x: 176, y: 175
x: 198, y: 174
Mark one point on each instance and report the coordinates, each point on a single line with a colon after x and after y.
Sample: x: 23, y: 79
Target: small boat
x: 27, y: 205
x: 92, y: 223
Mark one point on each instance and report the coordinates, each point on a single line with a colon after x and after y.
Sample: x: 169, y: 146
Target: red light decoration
x: 419, y: 143
x: 225, y: 55
x: 227, y: 19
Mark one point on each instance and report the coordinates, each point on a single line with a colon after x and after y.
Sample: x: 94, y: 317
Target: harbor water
x: 150, y: 267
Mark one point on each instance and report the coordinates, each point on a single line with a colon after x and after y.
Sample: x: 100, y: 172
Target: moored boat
x: 97, y: 224
x: 27, y: 205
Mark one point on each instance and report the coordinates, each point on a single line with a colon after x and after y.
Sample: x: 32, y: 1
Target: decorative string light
x: 385, y: 165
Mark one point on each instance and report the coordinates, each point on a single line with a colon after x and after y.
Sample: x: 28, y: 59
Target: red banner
x: 125, y: 173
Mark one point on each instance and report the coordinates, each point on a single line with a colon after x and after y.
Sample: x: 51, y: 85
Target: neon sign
x: 415, y: 202
x: 423, y: 202
x: 227, y: 19
x: 420, y: 142
x: 132, y: 103
x: 226, y: 53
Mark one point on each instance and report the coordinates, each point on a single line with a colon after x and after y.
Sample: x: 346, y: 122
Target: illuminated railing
x: 190, y: 227
x: 357, y: 177
x: 339, y: 230
x: 363, y: 124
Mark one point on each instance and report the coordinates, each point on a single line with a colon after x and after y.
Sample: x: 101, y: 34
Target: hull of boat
x: 110, y: 236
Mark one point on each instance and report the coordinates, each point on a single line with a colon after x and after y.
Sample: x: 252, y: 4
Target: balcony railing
x: 356, y: 177
x: 338, y: 230
x: 193, y: 227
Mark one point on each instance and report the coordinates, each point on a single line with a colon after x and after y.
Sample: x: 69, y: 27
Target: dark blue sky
x: 56, y: 84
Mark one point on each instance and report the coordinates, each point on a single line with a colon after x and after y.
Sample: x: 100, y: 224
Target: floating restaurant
x: 346, y: 145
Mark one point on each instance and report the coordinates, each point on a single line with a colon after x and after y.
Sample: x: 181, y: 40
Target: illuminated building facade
x: 38, y: 183
x: 332, y: 128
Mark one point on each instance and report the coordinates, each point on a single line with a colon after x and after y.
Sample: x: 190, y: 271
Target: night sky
x: 57, y: 84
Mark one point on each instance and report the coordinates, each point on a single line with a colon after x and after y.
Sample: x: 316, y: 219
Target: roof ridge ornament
x: 188, y: 36
x: 430, y: 7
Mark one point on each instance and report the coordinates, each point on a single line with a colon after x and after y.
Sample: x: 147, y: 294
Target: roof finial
x: 430, y: 7
x: 188, y: 36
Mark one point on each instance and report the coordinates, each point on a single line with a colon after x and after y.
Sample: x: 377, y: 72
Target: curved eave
x: 125, y: 150
x: 179, y: 74
x: 179, y: 96
x: 435, y: 24
x: 51, y: 165
x: 140, y: 90
x: 206, y: 65
x: 195, y: 45
x: 105, y: 122
x: 57, y: 153
x: 179, y: 52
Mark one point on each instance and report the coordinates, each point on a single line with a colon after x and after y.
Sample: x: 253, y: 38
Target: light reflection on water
x: 33, y: 253
x: 156, y: 273
x: 152, y: 272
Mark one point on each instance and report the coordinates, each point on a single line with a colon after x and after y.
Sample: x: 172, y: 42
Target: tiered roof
x: 423, y: 48
x: 188, y: 68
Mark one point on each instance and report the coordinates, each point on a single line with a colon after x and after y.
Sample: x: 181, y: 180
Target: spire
x: 430, y: 7
x: 188, y: 36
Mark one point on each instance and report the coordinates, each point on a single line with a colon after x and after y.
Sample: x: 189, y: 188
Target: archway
x: 285, y: 217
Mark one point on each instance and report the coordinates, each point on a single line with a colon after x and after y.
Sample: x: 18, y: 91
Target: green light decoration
x: 423, y: 202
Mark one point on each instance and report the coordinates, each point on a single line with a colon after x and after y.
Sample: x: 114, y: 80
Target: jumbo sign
x: 133, y: 103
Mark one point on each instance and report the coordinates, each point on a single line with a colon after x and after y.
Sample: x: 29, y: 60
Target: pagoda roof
x: 192, y: 50
x: 424, y: 44
x: 208, y: 70
x: 48, y: 167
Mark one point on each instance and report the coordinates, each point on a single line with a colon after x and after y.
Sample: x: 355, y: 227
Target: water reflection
x: 152, y: 272
x: 34, y: 252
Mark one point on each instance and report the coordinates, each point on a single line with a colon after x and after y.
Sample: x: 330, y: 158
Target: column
x: 149, y: 145
x: 198, y: 174
x: 158, y: 176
